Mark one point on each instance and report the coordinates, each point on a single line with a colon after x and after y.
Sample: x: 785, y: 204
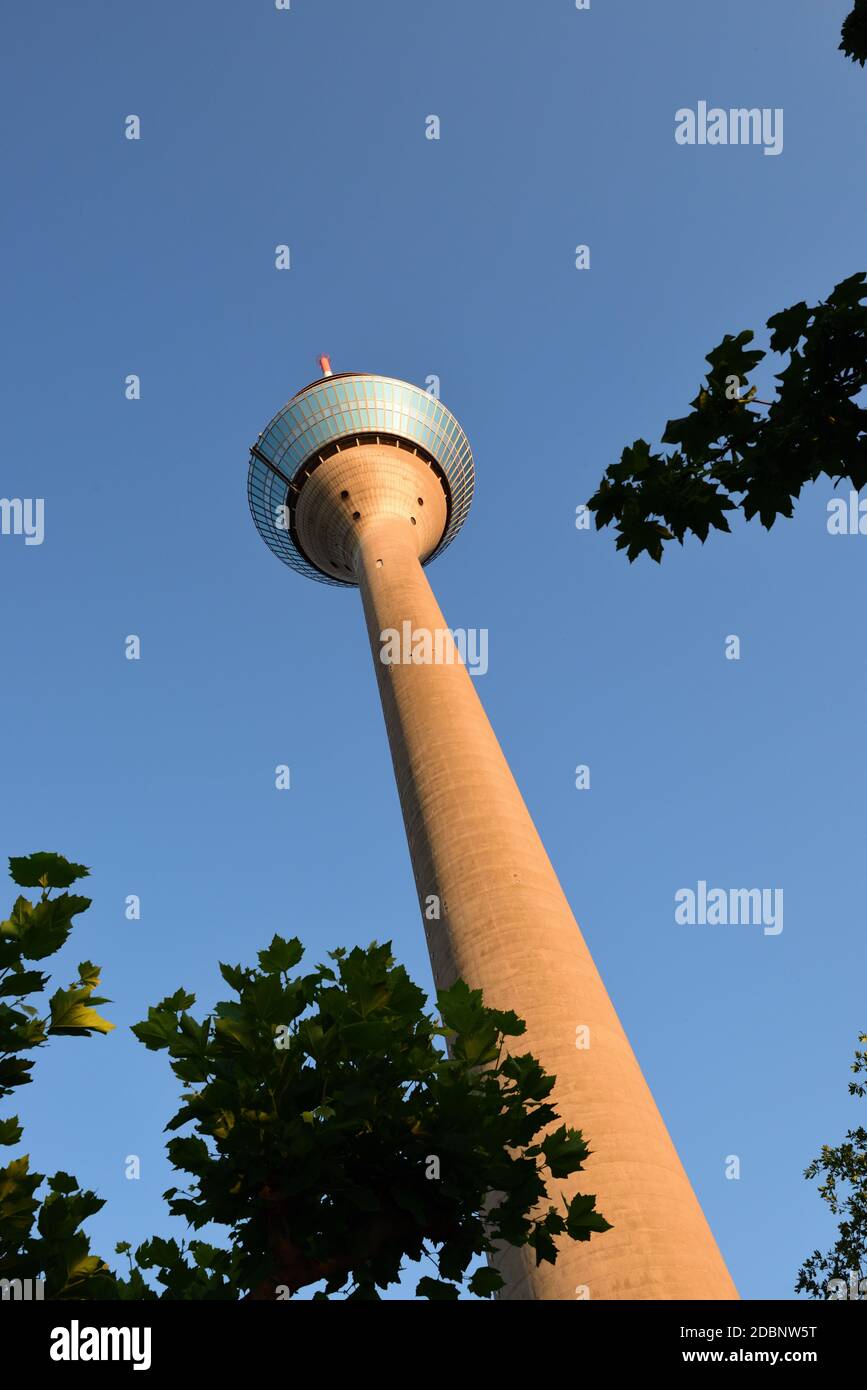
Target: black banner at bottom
x: 159, y: 1339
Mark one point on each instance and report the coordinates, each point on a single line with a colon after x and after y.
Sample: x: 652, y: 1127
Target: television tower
x: 360, y: 480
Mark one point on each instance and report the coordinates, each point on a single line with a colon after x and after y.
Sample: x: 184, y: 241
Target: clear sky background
x: 412, y: 257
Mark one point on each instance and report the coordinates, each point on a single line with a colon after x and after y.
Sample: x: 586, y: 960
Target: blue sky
x: 413, y: 257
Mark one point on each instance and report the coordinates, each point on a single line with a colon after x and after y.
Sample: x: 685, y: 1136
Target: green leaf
x: 435, y: 1289
x: 44, y: 870
x: 565, y: 1151
x: 410, y: 1201
x: 64, y: 1183
x: 177, y: 1003
x: 157, y: 1251
x: 22, y: 982
x: 49, y: 925
x: 281, y: 955
x: 14, y: 1072
x: 190, y: 1154
x: 234, y: 976
x: 267, y: 999
x: 158, y: 1030
x: 237, y: 1030
x: 582, y: 1220
x: 63, y: 1212
x: 10, y: 1130
x: 789, y: 326
x: 80, y: 1266
x: 18, y: 919
x: 544, y: 1245
x: 461, y: 1008
x: 486, y: 1281
x: 71, y: 1011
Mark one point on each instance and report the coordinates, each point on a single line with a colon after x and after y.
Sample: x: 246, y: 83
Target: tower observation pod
x: 360, y: 481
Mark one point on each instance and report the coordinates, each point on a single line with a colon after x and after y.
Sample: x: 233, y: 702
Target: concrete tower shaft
x: 507, y: 929
x: 360, y: 480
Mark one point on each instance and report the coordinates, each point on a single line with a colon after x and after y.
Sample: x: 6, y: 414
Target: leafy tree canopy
x: 854, y: 36
x: 327, y: 1128
x: 335, y: 1138
x: 730, y: 456
x: 40, y: 1235
x: 843, y: 1185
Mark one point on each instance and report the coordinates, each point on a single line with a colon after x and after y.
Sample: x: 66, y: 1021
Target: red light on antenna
x: 325, y: 364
